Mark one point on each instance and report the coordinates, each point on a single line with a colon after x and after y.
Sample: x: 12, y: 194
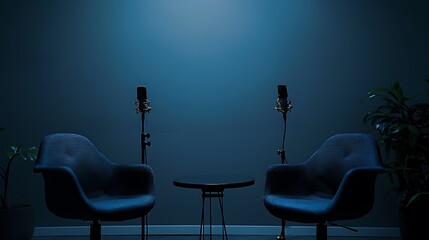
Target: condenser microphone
x: 282, y: 104
x: 141, y: 94
x: 282, y: 91
x: 142, y: 104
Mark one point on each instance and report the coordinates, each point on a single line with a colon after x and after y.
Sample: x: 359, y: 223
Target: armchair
x: 337, y: 182
x: 81, y: 183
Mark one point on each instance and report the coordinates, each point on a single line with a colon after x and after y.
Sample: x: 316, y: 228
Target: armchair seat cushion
x: 299, y: 208
x: 117, y: 208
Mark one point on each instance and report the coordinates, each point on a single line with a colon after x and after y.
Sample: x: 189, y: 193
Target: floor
x: 234, y: 237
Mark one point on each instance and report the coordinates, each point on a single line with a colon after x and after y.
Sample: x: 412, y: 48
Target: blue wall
x: 211, y: 69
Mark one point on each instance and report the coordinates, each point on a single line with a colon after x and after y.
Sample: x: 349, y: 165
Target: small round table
x: 212, y: 186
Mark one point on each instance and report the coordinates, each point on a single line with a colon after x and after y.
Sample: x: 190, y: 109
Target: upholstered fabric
x: 337, y: 182
x: 81, y: 183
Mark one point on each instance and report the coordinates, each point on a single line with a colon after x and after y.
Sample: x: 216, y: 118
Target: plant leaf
x: 416, y: 196
x: 29, y: 154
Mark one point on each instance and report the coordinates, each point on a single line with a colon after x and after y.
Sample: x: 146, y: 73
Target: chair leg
x: 95, y: 230
x: 143, y: 230
x: 282, y: 235
x: 322, y: 231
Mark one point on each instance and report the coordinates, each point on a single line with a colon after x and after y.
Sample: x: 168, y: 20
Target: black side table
x: 212, y: 186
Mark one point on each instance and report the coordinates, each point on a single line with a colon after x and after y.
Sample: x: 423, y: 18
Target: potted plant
x: 402, y: 127
x: 16, y: 221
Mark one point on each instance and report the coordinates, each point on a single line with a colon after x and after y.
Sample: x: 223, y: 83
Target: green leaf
x: 397, y: 90
x: 29, y: 154
x: 376, y: 91
x: 9, y: 153
x: 416, y: 196
x: 17, y: 150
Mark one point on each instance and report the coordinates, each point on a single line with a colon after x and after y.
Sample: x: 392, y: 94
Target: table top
x: 213, y: 183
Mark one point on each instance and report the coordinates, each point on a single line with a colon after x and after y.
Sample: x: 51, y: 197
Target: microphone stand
x: 143, y: 108
x: 283, y: 109
x: 281, y: 152
x: 143, y: 141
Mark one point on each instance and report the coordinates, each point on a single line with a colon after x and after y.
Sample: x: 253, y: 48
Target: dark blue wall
x: 211, y: 69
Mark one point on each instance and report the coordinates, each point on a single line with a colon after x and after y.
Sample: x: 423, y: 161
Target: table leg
x: 211, y: 233
x: 211, y: 195
x: 202, y: 217
x: 224, y: 233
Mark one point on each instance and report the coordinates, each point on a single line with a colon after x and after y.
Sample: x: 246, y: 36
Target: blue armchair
x: 81, y: 183
x: 336, y: 183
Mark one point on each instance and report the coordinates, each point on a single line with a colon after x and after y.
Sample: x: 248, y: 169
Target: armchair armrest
x: 131, y: 179
x: 62, y: 188
x: 286, y: 179
x: 357, y: 189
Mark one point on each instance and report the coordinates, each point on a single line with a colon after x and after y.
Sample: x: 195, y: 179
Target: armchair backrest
x: 337, y: 156
x: 76, y: 152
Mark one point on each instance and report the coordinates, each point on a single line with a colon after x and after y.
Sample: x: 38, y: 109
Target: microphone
x: 141, y: 93
x: 282, y: 91
x: 283, y: 105
x: 142, y: 104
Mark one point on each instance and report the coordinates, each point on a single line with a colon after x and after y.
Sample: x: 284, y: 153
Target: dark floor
x: 234, y: 237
